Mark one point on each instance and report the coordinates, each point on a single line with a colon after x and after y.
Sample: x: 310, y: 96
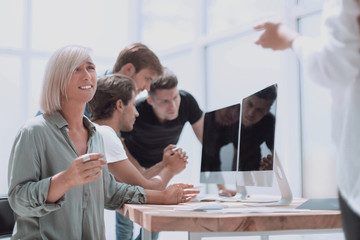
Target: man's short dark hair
x: 167, y: 80
x: 268, y: 93
x: 140, y: 56
x: 109, y: 90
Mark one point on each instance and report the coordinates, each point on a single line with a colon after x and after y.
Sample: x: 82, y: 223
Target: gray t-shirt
x: 42, y: 149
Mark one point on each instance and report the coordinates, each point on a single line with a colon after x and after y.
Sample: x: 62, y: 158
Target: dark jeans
x: 350, y: 221
x: 124, y: 229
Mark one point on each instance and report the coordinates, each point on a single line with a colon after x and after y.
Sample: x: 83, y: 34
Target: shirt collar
x: 60, y: 122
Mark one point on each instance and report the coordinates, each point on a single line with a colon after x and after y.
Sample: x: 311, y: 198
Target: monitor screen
x: 238, y: 141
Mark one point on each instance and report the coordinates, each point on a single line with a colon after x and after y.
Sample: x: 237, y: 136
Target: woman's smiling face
x: 82, y: 85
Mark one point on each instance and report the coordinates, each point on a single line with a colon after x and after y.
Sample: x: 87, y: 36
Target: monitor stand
x: 286, y: 195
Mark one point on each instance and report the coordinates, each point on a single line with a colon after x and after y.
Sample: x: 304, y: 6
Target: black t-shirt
x: 250, y: 140
x: 149, y: 137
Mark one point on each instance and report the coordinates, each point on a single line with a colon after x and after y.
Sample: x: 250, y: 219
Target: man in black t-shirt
x: 162, y: 116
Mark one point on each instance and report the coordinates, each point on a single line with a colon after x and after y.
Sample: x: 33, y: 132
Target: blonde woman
x: 59, y: 183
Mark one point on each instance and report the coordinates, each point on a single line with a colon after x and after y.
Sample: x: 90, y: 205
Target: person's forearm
x: 161, y: 180
x: 59, y: 185
x: 154, y: 170
x: 124, y: 171
x: 155, y: 197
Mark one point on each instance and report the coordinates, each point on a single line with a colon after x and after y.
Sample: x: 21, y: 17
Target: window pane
x: 36, y: 80
x: 168, y: 25
x: 103, y: 65
x: 183, y: 65
x: 11, y: 106
x: 11, y: 23
x: 98, y: 24
x: 238, y: 68
x: 223, y: 15
x: 318, y: 161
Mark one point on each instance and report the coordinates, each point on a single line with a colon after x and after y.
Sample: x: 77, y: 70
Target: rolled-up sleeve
x: 27, y: 193
x: 117, y: 194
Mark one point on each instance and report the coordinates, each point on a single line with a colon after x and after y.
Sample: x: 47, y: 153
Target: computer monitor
x: 220, y: 145
x: 238, y: 142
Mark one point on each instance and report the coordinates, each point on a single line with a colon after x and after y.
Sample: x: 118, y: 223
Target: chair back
x: 7, y: 220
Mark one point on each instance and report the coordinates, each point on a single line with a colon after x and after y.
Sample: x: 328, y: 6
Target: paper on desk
x: 258, y: 210
x: 202, y: 207
x: 223, y: 208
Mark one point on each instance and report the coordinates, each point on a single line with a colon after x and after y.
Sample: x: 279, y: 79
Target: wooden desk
x: 156, y: 218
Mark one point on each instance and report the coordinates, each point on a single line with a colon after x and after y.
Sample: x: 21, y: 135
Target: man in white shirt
x: 333, y: 59
x: 113, y: 109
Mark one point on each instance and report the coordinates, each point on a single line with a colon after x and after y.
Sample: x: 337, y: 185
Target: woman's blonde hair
x: 58, y: 72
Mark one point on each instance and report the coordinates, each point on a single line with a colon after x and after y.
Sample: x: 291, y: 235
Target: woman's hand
x: 82, y: 170
x: 86, y: 168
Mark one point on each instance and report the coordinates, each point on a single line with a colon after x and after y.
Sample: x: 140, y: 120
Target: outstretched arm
x: 276, y: 36
x: 335, y: 48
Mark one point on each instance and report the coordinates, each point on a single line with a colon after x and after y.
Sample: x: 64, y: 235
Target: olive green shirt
x: 43, y: 148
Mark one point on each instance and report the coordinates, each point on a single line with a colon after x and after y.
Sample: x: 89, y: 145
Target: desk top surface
x: 156, y: 218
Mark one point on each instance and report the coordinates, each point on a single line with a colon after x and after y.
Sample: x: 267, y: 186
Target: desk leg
x: 200, y: 235
x: 145, y: 234
x: 264, y: 237
x: 194, y: 236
